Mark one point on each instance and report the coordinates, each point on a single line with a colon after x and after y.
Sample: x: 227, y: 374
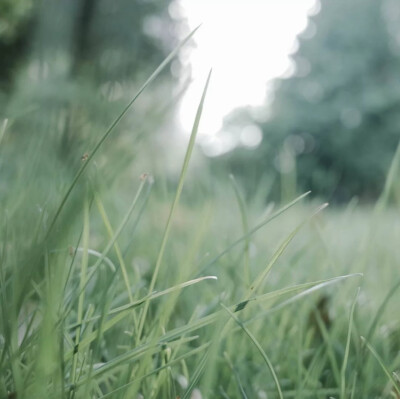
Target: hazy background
x: 304, y: 94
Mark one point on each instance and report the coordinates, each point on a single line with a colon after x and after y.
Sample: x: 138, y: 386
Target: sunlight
x: 247, y: 43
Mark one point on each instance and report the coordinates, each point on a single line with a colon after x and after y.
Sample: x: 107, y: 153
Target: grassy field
x: 131, y: 288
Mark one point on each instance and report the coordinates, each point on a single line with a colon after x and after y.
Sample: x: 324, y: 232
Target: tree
x: 338, y: 114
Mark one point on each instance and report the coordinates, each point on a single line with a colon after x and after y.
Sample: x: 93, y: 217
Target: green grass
x: 122, y: 288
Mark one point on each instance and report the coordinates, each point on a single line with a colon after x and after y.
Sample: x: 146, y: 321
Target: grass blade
x: 347, y: 349
x: 245, y: 225
x: 236, y: 375
x: 263, y: 275
x: 85, y: 164
x: 82, y: 284
x: 196, y: 375
x: 380, y: 361
x: 3, y: 129
x: 314, y: 286
x: 117, y: 250
x: 150, y: 297
x: 175, y: 202
x: 260, y: 349
x: 253, y: 230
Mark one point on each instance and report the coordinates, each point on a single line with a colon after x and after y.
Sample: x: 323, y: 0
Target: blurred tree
x: 335, y: 121
x: 16, y: 20
x: 81, y: 62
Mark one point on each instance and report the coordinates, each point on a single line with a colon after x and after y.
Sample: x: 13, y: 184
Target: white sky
x: 246, y: 43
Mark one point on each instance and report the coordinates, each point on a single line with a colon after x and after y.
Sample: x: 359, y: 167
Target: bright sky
x: 246, y: 43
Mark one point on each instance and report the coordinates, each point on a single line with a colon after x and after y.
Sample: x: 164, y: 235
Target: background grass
x: 102, y: 295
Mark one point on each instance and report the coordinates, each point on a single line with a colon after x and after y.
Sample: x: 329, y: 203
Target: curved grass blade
x: 175, y: 202
x: 390, y: 179
x: 252, y: 231
x: 82, y: 284
x: 236, y: 375
x: 207, y: 320
x: 140, y: 212
x: 117, y: 250
x: 196, y: 375
x: 380, y: 361
x: 116, y: 234
x: 130, y: 356
x: 245, y: 225
x: 315, y: 286
x: 150, y: 297
x: 158, y: 369
x: 85, y: 164
x: 96, y: 254
x: 263, y: 275
x: 3, y: 129
x: 347, y: 349
x: 380, y: 311
x: 260, y: 349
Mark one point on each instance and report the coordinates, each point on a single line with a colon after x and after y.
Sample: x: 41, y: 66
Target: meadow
x: 129, y: 285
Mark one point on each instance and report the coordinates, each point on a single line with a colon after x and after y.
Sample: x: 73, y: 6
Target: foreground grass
x: 156, y: 291
x: 278, y: 322
x: 76, y: 330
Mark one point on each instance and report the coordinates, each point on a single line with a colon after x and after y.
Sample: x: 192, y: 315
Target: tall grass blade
x: 390, y: 179
x: 175, y: 202
x: 259, y: 347
x: 263, y: 275
x: 347, y: 349
x: 85, y: 164
x: 3, y: 129
x: 252, y: 231
x: 117, y: 250
x: 82, y: 284
x: 245, y: 225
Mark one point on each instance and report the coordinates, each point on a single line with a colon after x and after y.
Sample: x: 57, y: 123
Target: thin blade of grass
x: 207, y: 320
x: 263, y: 275
x: 315, y: 286
x: 3, y: 129
x: 131, y: 356
x: 117, y: 250
x: 175, y: 202
x: 380, y: 311
x: 82, y: 284
x: 252, y: 231
x: 380, y: 361
x: 390, y: 179
x: 150, y: 297
x: 117, y: 233
x: 259, y: 347
x: 347, y: 349
x: 245, y: 225
x: 84, y: 165
x: 196, y: 375
x: 158, y: 369
x: 236, y: 375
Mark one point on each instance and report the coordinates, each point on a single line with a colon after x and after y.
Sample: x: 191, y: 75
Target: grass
x: 117, y: 290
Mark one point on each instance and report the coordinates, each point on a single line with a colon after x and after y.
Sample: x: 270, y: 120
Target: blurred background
x: 304, y: 95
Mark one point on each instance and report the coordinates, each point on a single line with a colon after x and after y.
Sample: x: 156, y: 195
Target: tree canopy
x: 335, y: 121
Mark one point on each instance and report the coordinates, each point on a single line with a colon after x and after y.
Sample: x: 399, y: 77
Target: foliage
x: 335, y: 121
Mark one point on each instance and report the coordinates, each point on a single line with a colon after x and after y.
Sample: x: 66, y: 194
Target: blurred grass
x: 104, y: 304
